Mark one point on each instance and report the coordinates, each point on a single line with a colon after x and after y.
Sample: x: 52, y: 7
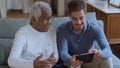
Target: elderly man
x: 34, y: 45
x: 77, y: 37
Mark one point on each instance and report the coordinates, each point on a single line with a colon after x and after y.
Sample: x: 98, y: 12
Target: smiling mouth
x: 78, y: 25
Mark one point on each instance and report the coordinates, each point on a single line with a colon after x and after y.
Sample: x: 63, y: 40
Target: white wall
x: 61, y: 8
x: 3, y: 8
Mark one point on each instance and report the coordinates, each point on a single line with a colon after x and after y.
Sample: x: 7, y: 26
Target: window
x: 115, y: 3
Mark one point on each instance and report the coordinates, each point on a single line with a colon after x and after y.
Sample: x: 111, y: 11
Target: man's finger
x: 52, y: 54
x: 45, y: 64
x: 36, y: 61
x: 99, y: 54
x: 73, y: 57
x: 40, y: 56
x: 81, y: 62
x: 51, y: 59
x: 92, y: 50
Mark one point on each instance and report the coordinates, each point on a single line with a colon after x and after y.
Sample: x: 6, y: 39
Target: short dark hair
x: 76, y: 5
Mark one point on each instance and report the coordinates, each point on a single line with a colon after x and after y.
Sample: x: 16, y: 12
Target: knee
x: 108, y: 63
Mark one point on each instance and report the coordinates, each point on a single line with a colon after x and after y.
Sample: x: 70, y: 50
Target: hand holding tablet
x: 85, y: 57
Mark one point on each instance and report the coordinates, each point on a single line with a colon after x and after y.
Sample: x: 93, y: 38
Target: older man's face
x: 44, y: 21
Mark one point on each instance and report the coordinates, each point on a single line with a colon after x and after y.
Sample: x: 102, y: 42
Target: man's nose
x: 49, y: 22
x: 79, y: 21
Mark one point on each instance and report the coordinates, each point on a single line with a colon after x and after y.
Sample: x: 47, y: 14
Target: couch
x: 8, y: 28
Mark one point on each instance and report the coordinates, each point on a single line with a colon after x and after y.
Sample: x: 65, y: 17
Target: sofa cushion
x: 91, y: 16
x: 5, y: 46
x: 4, y: 66
x: 56, y: 22
x: 8, y: 27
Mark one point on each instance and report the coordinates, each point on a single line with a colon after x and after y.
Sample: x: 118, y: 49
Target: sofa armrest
x: 116, y: 62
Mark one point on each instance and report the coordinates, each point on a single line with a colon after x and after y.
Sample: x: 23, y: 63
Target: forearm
x: 65, y: 57
x: 20, y: 63
x: 104, y: 45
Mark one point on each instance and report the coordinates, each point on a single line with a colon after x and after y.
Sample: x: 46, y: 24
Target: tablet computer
x: 85, y: 57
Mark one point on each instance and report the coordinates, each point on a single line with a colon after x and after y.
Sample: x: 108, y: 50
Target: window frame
x: 112, y: 2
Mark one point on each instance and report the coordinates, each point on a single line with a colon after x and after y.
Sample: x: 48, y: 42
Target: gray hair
x: 37, y: 7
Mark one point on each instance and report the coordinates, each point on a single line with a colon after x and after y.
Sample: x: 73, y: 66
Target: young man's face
x: 78, y: 20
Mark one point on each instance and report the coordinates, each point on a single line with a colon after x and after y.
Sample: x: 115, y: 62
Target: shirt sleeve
x: 63, y: 46
x: 55, y: 45
x: 15, y: 60
x: 103, y: 43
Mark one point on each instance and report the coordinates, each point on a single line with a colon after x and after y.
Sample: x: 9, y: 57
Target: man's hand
x: 52, y: 59
x: 41, y: 64
x: 97, y: 52
x: 75, y: 63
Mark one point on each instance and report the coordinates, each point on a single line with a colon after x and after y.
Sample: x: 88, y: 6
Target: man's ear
x: 33, y: 20
x: 69, y: 14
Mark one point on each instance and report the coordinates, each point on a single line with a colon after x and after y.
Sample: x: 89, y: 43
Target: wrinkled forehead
x: 46, y: 9
x: 46, y: 13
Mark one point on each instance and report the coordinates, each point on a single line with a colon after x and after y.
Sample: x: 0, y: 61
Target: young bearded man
x: 77, y: 37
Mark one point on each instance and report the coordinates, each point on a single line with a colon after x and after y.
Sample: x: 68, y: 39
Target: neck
x: 79, y: 31
x: 35, y: 27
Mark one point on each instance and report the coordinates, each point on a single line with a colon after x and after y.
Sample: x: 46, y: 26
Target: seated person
x: 77, y: 37
x: 35, y: 45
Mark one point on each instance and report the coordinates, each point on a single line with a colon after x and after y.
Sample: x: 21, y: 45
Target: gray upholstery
x: 5, y: 46
x: 8, y: 28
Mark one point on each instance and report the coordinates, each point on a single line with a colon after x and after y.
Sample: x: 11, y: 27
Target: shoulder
x: 23, y: 29
x: 93, y: 26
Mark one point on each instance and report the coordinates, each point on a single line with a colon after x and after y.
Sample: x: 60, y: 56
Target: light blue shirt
x: 70, y: 43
